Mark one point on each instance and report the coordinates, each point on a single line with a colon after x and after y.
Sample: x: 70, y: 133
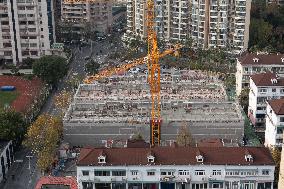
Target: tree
x: 28, y: 62
x: 62, y: 100
x: 43, y: 137
x: 15, y: 70
x: 92, y: 67
x: 276, y: 155
x: 50, y: 69
x: 184, y: 137
x: 244, y: 99
x: 260, y: 33
x: 12, y: 126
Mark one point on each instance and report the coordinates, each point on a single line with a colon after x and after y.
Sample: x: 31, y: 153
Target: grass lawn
x: 7, y: 97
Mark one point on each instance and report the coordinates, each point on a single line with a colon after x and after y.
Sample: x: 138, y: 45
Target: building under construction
x: 119, y: 107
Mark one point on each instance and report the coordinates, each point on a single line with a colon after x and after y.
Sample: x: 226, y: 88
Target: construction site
x: 118, y: 107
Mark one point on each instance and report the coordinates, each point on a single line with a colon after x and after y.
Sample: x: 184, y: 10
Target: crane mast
x: 154, y: 75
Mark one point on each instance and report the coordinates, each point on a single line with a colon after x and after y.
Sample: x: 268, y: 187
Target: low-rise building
x: 252, y: 63
x: 263, y: 87
x: 175, y: 168
x: 274, y: 123
x: 6, y: 158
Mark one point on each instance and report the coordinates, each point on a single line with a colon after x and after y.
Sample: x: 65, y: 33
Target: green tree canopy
x: 92, y: 67
x: 260, y: 33
x: 12, y: 125
x: 244, y: 99
x: 50, y: 68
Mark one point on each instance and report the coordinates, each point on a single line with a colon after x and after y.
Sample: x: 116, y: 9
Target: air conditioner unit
x: 135, y: 178
x: 203, y: 179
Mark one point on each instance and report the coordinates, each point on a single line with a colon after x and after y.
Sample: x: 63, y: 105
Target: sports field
x: 7, y: 97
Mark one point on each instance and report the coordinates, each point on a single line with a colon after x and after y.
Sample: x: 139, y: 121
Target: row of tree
x: 266, y: 27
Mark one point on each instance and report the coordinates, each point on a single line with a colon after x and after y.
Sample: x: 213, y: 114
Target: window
x: 134, y: 172
x: 281, y: 119
x: 199, y: 172
x: 85, y: 173
x: 118, y: 173
x: 216, y: 172
x: 199, y: 186
x: 167, y: 173
x: 281, y: 90
x: 102, y: 173
x: 262, y: 90
x: 274, y: 90
x: 183, y: 172
x: 150, y: 173
x: 265, y: 172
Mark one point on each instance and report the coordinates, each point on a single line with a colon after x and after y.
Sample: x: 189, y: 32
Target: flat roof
x: 185, y: 94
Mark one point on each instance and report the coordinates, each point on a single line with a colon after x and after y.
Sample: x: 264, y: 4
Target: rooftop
x: 261, y: 59
x: 172, y: 155
x: 49, y: 182
x: 267, y: 79
x: 186, y: 95
x: 277, y: 106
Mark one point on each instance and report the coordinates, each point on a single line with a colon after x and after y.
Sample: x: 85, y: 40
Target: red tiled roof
x: 177, y: 156
x: 277, y: 106
x: 247, y: 59
x: 65, y: 181
x: 265, y: 79
x: 210, y: 143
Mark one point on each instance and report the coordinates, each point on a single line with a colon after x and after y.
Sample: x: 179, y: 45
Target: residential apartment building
x: 175, y: 168
x: 98, y: 14
x: 27, y: 29
x: 210, y: 23
x: 6, y: 158
x: 263, y: 87
x: 252, y: 63
x: 274, y: 123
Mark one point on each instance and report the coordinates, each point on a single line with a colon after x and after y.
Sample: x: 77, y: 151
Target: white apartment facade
x: 253, y: 63
x: 98, y: 14
x: 274, y: 123
x: 175, y: 168
x: 263, y: 87
x: 27, y: 29
x: 6, y: 158
x: 209, y: 23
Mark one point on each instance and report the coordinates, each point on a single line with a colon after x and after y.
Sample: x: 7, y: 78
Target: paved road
x: 25, y: 178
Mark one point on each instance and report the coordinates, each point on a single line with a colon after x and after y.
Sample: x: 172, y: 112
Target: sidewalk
x: 19, y: 175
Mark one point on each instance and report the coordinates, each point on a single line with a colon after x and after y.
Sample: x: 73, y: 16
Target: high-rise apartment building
x: 210, y: 23
x: 96, y: 13
x: 27, y: 29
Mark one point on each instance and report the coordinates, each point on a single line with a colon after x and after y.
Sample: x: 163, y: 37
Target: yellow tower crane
x: 154, y: 71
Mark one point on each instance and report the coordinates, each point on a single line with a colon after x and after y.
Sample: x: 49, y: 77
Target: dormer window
x: 255, y: 59
x: 199, y: 158
x: 102, y: 159
x: 151, y: 159
x: 248, y: 156
x: 274, y: 81
x: 282, y: 59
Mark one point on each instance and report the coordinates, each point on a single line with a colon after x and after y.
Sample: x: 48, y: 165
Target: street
x: 23, y: 173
